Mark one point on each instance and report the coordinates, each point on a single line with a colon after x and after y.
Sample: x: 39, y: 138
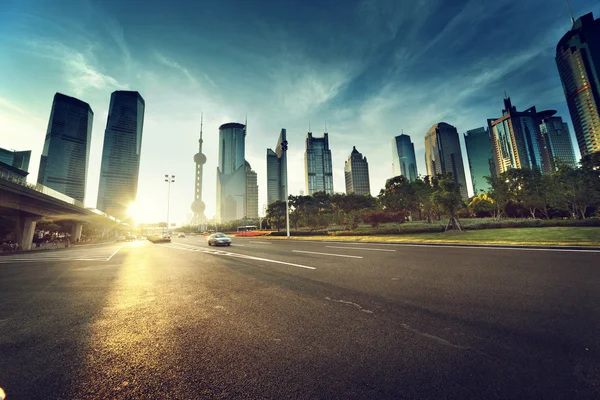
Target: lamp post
x: 169, y: 180
x: 284, y: 146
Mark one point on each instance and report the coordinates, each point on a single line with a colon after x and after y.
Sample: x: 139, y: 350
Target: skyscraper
x: 277, y: 170
x: 121, y: 153
x: 198, y: 205
x: 16, y: 159
x: 516, y: 139
x: 356, y: 172
x: 251, y: 210
x: 481, y: 160
x: 317, y: 165
x: 578, y: 61
x: 443, y: 154
x: 557, y: 142
x: 404, y: 161
x: 64, y: 161
x: 231, y: 173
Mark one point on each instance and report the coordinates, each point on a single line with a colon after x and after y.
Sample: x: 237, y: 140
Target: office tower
x: 356, y: 172
x: 231, y: 173
x: 404, y: 161
x: 557, y: 142
x: 64, y: 161
x: 516, y: 139
x: 277, y: 170
x: 14, y: 165
x: 481, y: 160
x: 16, y: 159
x: 198, y: 205
x: 121, y: 153
x: 443, y: 154
x: 578, y: 61
x: 251, y: 207
x: 317, y: 165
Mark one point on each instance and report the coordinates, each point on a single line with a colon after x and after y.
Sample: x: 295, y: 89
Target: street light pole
x: 169, y: 180
x: 287, y: 200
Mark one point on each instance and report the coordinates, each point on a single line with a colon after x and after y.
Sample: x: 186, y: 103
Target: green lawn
x: 552, y: 236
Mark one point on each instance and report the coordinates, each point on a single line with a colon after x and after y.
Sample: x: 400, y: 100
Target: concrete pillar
x: 76, y: 229
x: 25, y: 228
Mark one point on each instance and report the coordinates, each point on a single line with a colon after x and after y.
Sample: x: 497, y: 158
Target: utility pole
x: 284, y: 146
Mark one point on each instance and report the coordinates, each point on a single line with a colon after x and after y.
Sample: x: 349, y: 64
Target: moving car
x: 181, y: 235
x: 219, y: 239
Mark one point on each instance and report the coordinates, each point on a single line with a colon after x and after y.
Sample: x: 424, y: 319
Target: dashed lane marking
x: 326, y: 254
x: 357, y: 248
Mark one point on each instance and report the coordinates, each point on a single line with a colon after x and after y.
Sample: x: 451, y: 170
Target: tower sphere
x: 198, y: 207
x: 200, y: 158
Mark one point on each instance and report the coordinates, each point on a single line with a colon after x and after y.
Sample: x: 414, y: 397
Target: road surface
x: 275, y: 319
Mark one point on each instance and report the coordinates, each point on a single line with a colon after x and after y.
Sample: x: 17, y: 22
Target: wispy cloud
x: 10, y: 106
x: 172, y: 64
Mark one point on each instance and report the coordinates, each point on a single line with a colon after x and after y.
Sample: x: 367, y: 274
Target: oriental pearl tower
x: 198, y: 205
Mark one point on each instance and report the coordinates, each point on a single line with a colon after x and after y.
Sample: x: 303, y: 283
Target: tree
x: 481, y: 205
x: 276, y: 214
x: 449, y: 200
x: 577, y: 190
x: 397, y: 195
x: 499, y: 193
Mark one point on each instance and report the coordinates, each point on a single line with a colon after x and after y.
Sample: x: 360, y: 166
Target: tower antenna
x: 201, y: 123
x: 325, y: 126
x: 570, y: 12
x: 309, y: 125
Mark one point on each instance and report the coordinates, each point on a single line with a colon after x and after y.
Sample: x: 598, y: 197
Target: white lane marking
x: 436, y: 338
x: 256, y: 241
x: 357, y: 248
x: 350, y: 303
x: 326, y: 254
x: 111, y: 256
x: 237, y: 255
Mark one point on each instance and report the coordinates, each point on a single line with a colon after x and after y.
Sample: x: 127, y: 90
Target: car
x: 121, y: 239
x: 181, y: 235
x: 218, y: 239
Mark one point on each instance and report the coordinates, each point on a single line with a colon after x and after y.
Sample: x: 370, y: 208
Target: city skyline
x: 360, y: 99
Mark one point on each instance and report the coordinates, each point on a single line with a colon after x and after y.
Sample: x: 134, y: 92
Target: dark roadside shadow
x: 46, y: 310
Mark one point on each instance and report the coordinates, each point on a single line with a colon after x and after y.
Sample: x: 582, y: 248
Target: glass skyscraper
x: 277, y: 170
x: 121, y: 153
x: 443, y: 154
x: 317, y: 165
x: 578, y: 61
x: 231, y: 173
x: 516, y: 139
x: 356, y: 173
x: 481, y: 160
x: 404, y: 161
x: 64, y: 161
x: 16, y: 159
x: 557, y: 142
x: 251, y: 193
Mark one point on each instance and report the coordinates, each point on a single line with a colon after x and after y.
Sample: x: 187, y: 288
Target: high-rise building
x: 404, y: 161
x: 121, y: 153
x: 251, y: 210
x: 277, y: 170
x: 16, y: 159
x: 516, y: 139
x: 317, y: 165
x: 356, y: 172
x: 557, y: 142
x: 14, y: 165
x: 64, y: 161
x: 231, y: 173
x: 481, y: 160
x: 578, y: 61
x: 198, y: 205
x: 443, y: 154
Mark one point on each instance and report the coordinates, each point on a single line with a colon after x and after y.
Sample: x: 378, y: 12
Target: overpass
x: 28, y: 203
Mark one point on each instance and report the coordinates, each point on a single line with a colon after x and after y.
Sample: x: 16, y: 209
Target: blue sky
x: 369, y: 69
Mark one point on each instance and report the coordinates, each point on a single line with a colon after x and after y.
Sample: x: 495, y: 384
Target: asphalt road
x: 272, y: 319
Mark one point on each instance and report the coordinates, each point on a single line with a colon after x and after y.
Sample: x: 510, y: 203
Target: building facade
x: 317, y: 165
x: 277, y: 170
x: 121, y: 153
x: 578, y: 62
x: 65, y: 156
x: 516, y: 139
x: 481, y: 160
x: 16, y: 159
x: 356, y: 173
x: 231, y: 173
x: 404, y: 161
x: 558, y: 146
x: 251, y: 206
x: 443, y: 154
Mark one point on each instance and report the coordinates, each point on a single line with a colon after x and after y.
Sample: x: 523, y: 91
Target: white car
x: 181, y: 235
x: 218, y: 239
